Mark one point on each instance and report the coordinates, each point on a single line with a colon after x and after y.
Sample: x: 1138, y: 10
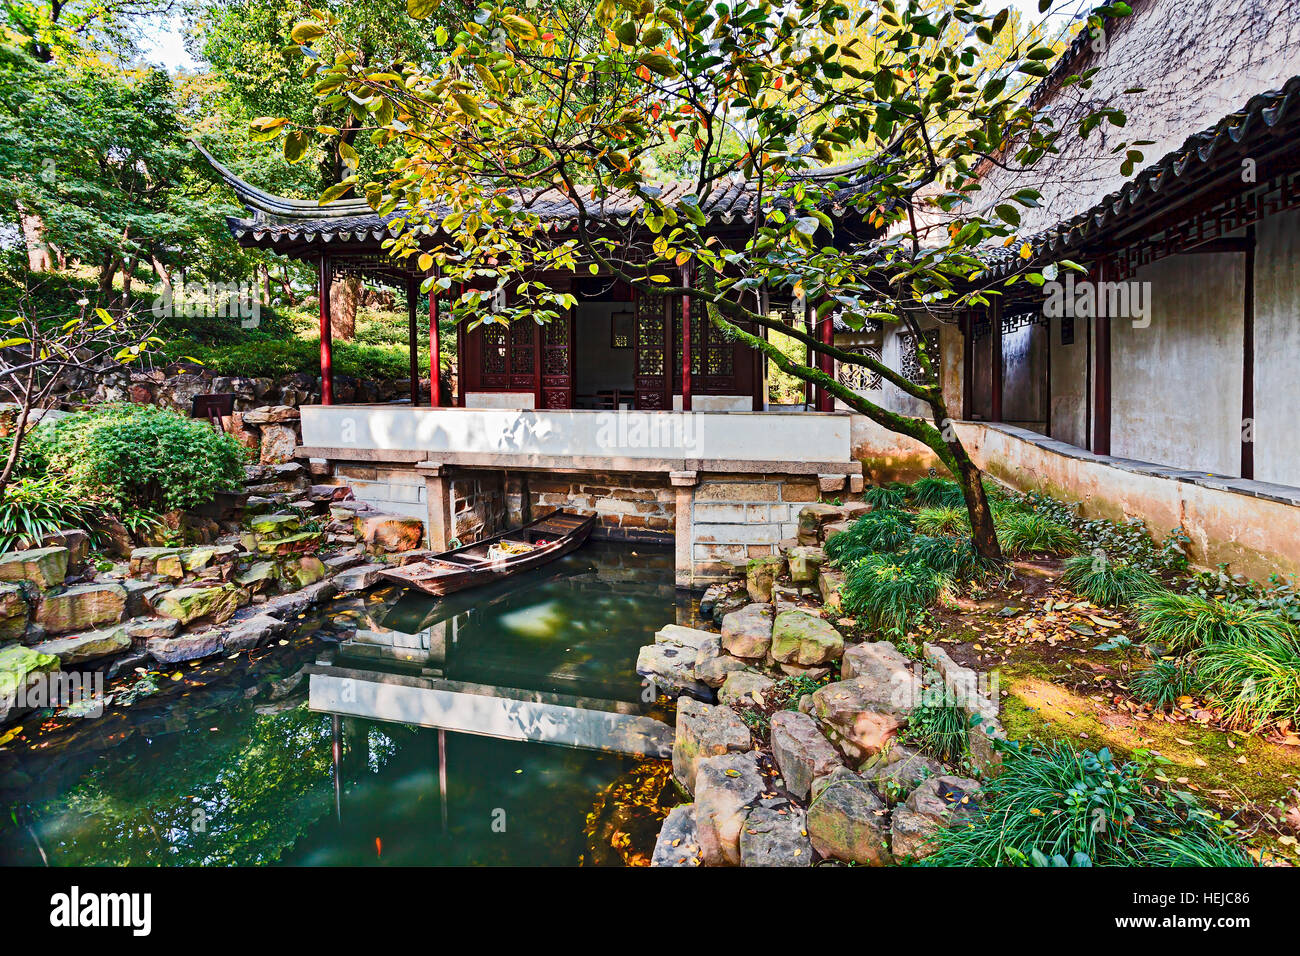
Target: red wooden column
x: 435, y: 396
x: 412, y: 308
x: 826, y: 401
x: 326, y: 334
x: 686, y: 341
x: 1101, y: 380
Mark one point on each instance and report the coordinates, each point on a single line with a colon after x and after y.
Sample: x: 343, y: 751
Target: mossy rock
x: 275, y: 525
x: 43, y: 567
x: 216, y: 604
x: 802, y: 638
x: 14, y: 612
x: 18, y: 665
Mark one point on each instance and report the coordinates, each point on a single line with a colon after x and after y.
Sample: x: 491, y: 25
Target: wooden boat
x: 499, y: 556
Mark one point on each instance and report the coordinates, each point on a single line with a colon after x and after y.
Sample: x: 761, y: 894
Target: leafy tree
x: 579, y: 101
x: 96, y: 153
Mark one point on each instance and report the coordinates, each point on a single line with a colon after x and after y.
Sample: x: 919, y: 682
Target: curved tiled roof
x: 280, y: 220
x: 1263, y: 115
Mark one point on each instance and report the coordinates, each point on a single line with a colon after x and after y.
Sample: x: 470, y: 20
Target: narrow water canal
x: 391, y: 729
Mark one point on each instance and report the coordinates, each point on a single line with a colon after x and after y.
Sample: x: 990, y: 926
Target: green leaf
x: 306, y: 32
x: 422, y: 9
x: 658, y: 63
x: 1008, y: 213
x: 295, y: 145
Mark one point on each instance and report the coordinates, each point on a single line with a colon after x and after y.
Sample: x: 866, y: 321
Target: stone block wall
x: 737, y: 517
x: 478, y: 505
x: 630, y: 506
x: 388, y: 488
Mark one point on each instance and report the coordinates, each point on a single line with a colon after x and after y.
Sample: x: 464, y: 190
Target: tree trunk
x: 39, y: 258
x: 165, y: 278
x: 344, y: 296
x: 984, y: 534
x: 107, y: 270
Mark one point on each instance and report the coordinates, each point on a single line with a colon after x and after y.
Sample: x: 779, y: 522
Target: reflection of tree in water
x: 624, y: 820
x: 240, y: 795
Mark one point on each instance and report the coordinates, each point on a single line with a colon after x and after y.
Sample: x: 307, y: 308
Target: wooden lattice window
x: 495, y: 350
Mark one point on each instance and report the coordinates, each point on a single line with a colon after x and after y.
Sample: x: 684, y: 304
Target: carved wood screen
x: 714, y: 367
x: 650, y: 365
x: 557, y: 362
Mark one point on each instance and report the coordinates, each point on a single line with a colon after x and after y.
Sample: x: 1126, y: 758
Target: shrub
x: 273, y: 358
x: 1129, y: 541
x: 942, y: 521
x: 1057, y: 802
x: 34, y: 507
x: 889, y: 592
x: 1027, y: 532
x: 1184, y: 622
x: 138, y: 456
x: 1107, y: 582
x: 1254, y: 684
x: 875, y: 531
x: 1164, y: 682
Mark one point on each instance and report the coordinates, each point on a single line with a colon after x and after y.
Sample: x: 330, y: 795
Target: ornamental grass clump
x: 875, y: 532
x: 1254, y: 684
x: 1164, y: 682
x: 942, y: 521
x: 1055, y: 802
x: 934, y: 492
x: 939, y: 727
x: 956, y: 558
x: 1027, y: 532
x: 1185, y: 622
x: 1106, y: 582
x: 890, y: 592
x: 884, y: 496
x: 33, y: 507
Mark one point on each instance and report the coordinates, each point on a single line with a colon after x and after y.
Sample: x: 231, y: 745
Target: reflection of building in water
x: 548, y: 659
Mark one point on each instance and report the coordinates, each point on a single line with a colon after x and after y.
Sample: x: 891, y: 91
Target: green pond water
x: 228, y: 762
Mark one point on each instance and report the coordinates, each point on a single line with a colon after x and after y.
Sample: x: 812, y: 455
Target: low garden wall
x: 1253, y: 525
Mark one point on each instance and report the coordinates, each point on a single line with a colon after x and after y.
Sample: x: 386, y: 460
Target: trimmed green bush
x: 137, y: 456
x: 1086, y: 808
x: 1106, y: 582
x: 273, y: 358
x: 1184, y: 622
